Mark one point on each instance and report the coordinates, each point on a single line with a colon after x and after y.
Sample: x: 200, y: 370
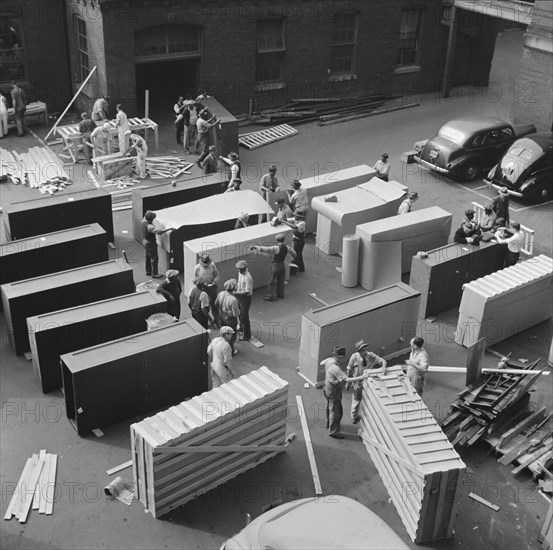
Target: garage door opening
x: 166, y: 80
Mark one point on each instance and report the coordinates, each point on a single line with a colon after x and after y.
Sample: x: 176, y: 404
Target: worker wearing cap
x: 100, y: 109
x: 298, y: 198
x: 229, y: 309
x: 269, y: 183
x: 138, y: 144
x: 210, y: 165
x: 171, y: 289
x: 220, y: 352
x: 278, y: 254
x: 382, y: 167
x: 335, y: 380
x: 407, y: 204
x: 297, y: 223
x: 243, y: 293
x: 86, y: 127
x: 417, y: 364
x: 149, y: 232
x: 207, y: 270
x: 500, y: 204
x: 235, y: 168
x: 198, y: 302
x: 234, y: 185
x: 360, y: 362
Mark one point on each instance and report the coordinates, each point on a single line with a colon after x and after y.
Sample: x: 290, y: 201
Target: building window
x: 408, y: 53
x: 12, y: 50
x: 82, y: 49
x: 167, y: 41
x: 344, y: 37
x: 271, y: 48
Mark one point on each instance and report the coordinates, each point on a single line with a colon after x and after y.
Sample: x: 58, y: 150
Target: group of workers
x: 494, y: 224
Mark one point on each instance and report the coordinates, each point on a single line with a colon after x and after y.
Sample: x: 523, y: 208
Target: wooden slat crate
x: 169, y: 469
x: 258, y: 139
x: 418, y: 465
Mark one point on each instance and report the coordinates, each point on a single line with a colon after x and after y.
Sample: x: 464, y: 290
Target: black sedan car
x: 526, y: 169
x: 464, y: 148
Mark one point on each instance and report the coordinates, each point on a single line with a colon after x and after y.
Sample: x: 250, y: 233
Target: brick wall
x: 228, y: 57
x: 45, y: 50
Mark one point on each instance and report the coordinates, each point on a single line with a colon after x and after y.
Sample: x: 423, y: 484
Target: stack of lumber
x: 167, y: 167
x: 418, y: 465
x: 528, y: 444
x: 36, y: 486
x: 39, y: 167
x: 484, y: 407
x: 189, y: 449
x: 546, y: 534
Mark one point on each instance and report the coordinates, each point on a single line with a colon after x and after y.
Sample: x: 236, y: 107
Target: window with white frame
x: 409, y: 39
x: 82, y: 49
x: 344, y: 38
x: 271, y: 49
x: 12, y: 50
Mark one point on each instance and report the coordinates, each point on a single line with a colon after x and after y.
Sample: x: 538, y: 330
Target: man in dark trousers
x: 149, y: 243
x: 86, y: 127
x: 198, y: 302
x: 243, y: 293
x: 297, y: 223
x: 179, y: 109
x: 229, y: 310
x: 204, y: 126
x: 335, y: 380
x: 500, y: 204
x: 278, y: 254
x: 171, y: 289
x: 19, y: 102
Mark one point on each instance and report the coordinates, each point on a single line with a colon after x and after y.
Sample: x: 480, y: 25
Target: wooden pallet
x: 191, y: 448
x: 418, y: 465
x: 254, y: 140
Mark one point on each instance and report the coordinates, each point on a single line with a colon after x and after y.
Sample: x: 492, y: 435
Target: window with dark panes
x: 167, y: 41
x: 12, y: 50
x: 82, y: 49
x: 409, y: 37
x: 271, y: 49
x: 344, y: 37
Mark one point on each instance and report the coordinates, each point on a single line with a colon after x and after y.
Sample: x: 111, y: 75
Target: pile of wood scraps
x: 167, y: 167
x: 189, y: 449
x: 487, y: 405
x: 36, y: 487
x: 417, y: 463
x: 39, y: 167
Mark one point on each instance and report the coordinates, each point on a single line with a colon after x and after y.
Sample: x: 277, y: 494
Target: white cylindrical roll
x: 350, y: 260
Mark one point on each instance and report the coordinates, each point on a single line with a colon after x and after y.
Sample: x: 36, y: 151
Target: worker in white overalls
x: 417, y: 365
x: 138, y: 144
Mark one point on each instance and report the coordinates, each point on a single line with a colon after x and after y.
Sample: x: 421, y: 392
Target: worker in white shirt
x: 283, y: 212
x: 100, y: 109
x: 243, y: 294
x: 405, y: 206
x: 269, y: 182
x: 514, y: 243
x: 382, y: 166
x: 221, y: 357
x: 235, y: 168
x: 298, y: 198
x: 417, y: 364
x: 122, y: 125
x: 138, y: 144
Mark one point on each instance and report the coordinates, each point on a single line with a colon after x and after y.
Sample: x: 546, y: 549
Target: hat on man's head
x: 272, y: 168
x: 470, y: 213
x: 280, y: 201
x: 241, y: 264
x: 205, y: 259
x: 212, y: 148
x: 170, y: 273
x: 296, y: 183
x: 237, y: 181
x: 280, y: 238
x: 233, y: 156
x: 339, y: 351
x: 243, y: 216
x: 361, y: 345
x: 414, y: 195
x: 226, y: 330
x: 84, y: 115
x: 231, y: 284
x: 149, y: 215
x: 385, y: 155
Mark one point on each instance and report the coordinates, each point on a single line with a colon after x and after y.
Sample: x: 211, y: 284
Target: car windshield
x: 452, y: 134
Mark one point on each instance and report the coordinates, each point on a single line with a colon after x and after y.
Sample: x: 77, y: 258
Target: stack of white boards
x: 505, y: 303
x: 416, y: 461
x: 189, y: 449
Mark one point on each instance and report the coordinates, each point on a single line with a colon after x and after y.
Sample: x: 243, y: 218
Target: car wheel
x: 472, y: 171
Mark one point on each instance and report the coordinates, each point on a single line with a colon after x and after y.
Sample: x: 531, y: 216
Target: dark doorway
x: 166, y: 80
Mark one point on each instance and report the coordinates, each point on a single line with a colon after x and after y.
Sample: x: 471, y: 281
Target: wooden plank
x: 51, y: 487
x: 28, y: 494
x: 119, y: 468
x: 309, y: 446
x: 531, y: 458
x: 440, y: 507
x: 41, y: 480
x: 484, y: 501
x: 181, y: 449
x: 12, y: 506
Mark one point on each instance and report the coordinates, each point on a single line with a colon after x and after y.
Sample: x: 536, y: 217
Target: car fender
x: 461, y: 162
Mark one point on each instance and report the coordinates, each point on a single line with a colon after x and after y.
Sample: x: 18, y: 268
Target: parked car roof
x: 461, y: 129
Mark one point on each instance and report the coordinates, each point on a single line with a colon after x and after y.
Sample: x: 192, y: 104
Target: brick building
x: 33, y: 50
x: 239, y: 50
